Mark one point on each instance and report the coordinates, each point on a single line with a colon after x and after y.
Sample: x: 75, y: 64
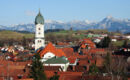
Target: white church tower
x: 39, y: 32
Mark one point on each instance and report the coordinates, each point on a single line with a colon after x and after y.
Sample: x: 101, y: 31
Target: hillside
x: 6, y: 34
x: 14, y: 35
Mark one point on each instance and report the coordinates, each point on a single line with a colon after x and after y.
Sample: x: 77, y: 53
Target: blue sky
x: 24, y: 11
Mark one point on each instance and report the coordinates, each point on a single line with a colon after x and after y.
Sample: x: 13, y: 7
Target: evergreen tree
x: 55, y: 77
x: 107, y: 63
x: 125, y: 44
x: 24, y: 41
x: 37, y: 71
x: 93, y: 69
x: 1, y: 43
x: 105, y: 42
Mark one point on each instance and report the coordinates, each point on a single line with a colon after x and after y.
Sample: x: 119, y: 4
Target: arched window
x: 39, y: 28
x: 39, y: 41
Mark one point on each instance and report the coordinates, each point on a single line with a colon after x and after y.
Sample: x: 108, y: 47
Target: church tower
x: 39, y: 32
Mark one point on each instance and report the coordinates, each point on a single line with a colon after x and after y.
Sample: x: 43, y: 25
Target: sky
x: 24, y: 11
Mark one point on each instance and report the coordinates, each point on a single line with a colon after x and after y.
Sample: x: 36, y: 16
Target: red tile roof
x: 49, y: 73
x: 70, y: 77
x: 62, y: 43
x: 68, y: 51
x: 26, y: 79
x: 51, y: 48
x: 71, y: 73
x: 52, y: 68
x: 88, y: 42
x: 99, y: 61
x: 72, y: 60
x: 64, y: 75
x: 93, y: 51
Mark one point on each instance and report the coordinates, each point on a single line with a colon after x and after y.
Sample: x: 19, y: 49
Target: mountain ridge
x: 110, y: 23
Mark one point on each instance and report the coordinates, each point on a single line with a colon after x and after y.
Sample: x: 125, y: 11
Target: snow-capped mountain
x: 109, y: 23
x: 113, y: 24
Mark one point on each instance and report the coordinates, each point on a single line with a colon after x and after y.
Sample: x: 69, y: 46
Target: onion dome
x: 39, y: 19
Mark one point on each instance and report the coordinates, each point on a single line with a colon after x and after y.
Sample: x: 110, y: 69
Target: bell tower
x: 39, y: 32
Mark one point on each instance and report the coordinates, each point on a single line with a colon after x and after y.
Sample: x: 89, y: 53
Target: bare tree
x: 120, y: 66
x: 115, y: 66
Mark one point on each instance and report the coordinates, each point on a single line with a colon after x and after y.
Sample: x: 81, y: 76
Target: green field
x: 120, y: 43
x: 5, y: 34
x: 14, y: 35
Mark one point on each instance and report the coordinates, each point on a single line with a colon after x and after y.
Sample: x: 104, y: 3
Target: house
x: 50, y: 51
x: 128, y: 37
x: 52, y: 56
x: 113, y: 39
x: 58, y: 61
x: 97, y: 40
x: 87, y: 43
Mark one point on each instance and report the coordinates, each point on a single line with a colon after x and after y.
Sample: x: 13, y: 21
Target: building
x: 52, y: 56
x: 39, y: 32
x: 51, y: 51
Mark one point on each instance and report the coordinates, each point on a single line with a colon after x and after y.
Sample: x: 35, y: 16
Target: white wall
x: 39, y: 36
x: 47, y: 56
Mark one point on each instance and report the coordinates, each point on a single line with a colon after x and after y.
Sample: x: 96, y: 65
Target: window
x: 39, y: 28
x: 89, y: 61
x: 19, y: 76
x: 39, y: 41
x: 49, y: 56
x: 39, y: 33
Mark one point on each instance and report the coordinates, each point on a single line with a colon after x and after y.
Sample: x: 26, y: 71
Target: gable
x: 49, y: 55
x: 52, y: 49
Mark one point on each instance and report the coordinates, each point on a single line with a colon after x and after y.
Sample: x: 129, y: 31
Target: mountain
x: 113, y: 24
x: 109, y: 23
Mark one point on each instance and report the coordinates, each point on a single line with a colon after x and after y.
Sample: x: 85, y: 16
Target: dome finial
x: 39, y: 10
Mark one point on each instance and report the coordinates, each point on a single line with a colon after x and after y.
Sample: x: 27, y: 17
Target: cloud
x: 30, y: 13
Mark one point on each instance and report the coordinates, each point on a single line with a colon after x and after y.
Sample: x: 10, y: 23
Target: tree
x: 37, y: 71
x: 108, y: 65
x: 120, y: 67
x: 112, y: 47
x: 125, y: 44
x: 24, y: 41
x: 105, y: 42
x: 115, y: 66
x: 93, y: 69
x: 55, y: 77
x: 107, y: 62
x: 1, y: 43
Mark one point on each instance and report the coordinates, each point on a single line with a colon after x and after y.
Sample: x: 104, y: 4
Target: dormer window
x: 20, y: 76
x: 89, y: 61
